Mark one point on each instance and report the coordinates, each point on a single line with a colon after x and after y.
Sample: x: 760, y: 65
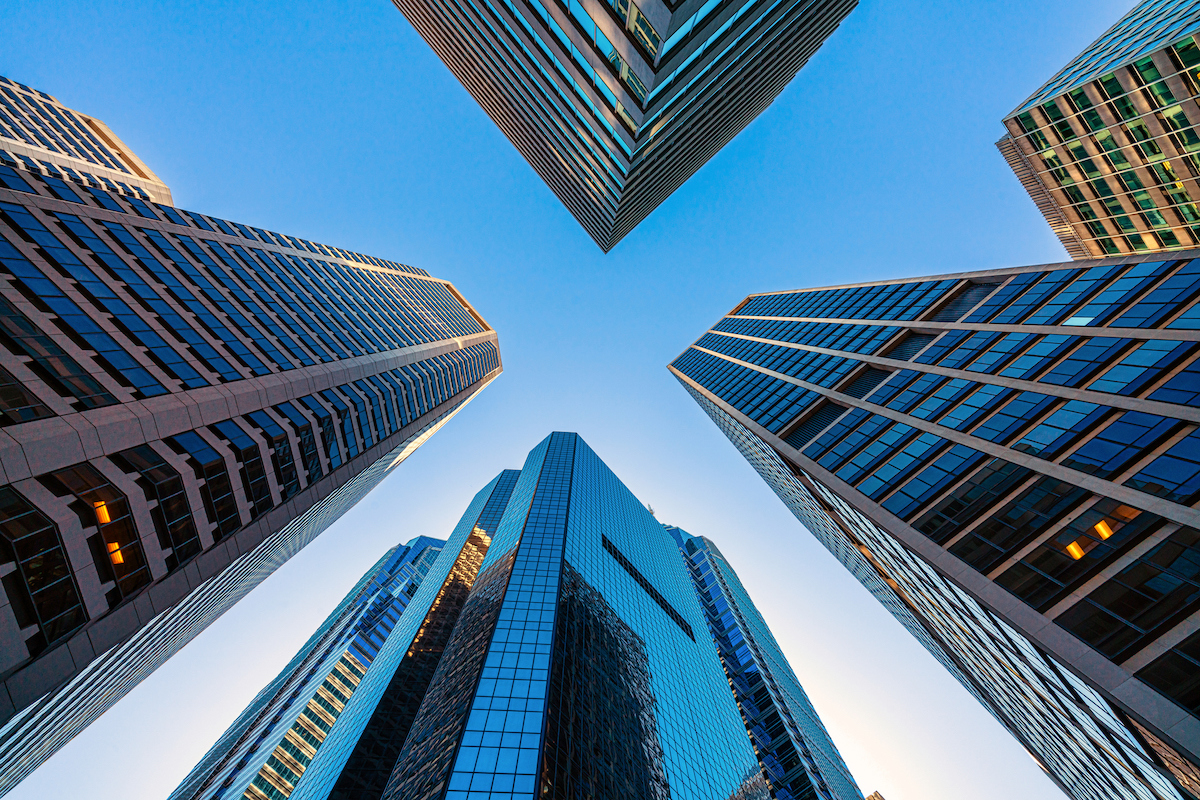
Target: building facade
x: 796, y: 754
x: 615, y: 103
x: 557, y: 646
x: 185, y: 402
x: 1108, y: 148
x: 268, y: 747
x: 566, y: 657
x: 46, y: 136
x: 1008, y: 461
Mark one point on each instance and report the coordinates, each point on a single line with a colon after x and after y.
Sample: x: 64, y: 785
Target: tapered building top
x: 1108, y: 148
x: 38, y: 130
x: 616, y: 103
x: 185, y: 402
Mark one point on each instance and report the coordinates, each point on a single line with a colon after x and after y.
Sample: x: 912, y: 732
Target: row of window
x: 57, y: 176
x: 32, y: 117
x: 832, y: 336
x: 349, y: 419
x: 374, y: 311
x: 900, y: 301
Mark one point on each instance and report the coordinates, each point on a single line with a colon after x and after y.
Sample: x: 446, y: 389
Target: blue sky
x: 332, y: 120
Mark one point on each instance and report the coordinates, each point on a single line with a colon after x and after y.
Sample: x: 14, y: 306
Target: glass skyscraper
x: 798, y: 758
x: 557, y: 648
x: 1008, y: 460
x: 1108, y: 148
x: 185, y: 402
x: 268, y: 747
x: 615, y: 103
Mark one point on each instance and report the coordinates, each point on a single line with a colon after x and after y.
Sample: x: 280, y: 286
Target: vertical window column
x: 170, y: 510
x: 116, y: 549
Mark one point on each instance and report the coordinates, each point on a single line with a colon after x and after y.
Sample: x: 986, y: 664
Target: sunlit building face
x: 1108, y: 147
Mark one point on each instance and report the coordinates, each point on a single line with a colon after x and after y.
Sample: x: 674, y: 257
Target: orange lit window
x: 1075, y: 551
x: 114, y: 553
x: 102, y: 515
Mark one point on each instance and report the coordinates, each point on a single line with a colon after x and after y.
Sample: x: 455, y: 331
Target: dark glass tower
x: 799, y: 760
x: 556, y: 649
x: 185, y: 402
x: 1009, y: 461
x: 615, y: 103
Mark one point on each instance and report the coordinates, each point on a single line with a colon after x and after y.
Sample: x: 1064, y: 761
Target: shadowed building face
x: 615, y: 103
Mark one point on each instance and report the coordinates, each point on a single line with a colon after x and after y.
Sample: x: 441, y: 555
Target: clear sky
x: 332, y: 120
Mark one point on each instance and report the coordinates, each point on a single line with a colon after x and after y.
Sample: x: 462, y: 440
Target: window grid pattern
x: 1001, y: 468
x: 1068, y: 726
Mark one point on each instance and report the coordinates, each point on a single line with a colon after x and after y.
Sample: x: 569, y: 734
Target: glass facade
x: 798, y: 758
x: 571, y: 668
x: 267, y: 749
x: 616, y: 103
x: 1004, y: 460
x: 186, y: 402
x: 1108, y: 147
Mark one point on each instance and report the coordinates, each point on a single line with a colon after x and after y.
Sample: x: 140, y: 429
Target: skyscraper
x: 1008, y: 461
x: 615, y: 103
x: 797, y: 756
x: 268, y: 747
x: 557, y: 647
x: 1108, y: 147
x: 185, y: 402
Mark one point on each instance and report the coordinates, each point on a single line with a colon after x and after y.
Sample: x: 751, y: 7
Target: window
x: 281, y: 453
x: 1048, y: 573
x: 254, y: 473
x: 215, y: 488
x: 116, y: 549
x: 1146, y: 598
x: 1175, y: 475
x: 308, y: 442
x: 42, y: 589
x: 169, y: 507
x: 1010, y: 527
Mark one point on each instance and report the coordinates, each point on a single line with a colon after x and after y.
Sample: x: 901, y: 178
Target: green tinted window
x: 1187, y: 52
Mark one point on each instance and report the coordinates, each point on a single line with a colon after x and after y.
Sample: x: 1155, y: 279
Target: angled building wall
x: 185, y: 402
x: 1007, y: 460
x: 1108, y: 147
x: 616, y: 104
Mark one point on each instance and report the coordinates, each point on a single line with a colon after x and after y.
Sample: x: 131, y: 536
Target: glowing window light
x: 102, y: 515
x: 1075, y: 551
x: 114, y: 553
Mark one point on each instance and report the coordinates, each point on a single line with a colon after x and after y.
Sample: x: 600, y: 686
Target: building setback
x: 798, y: 758
x: 185, y: 402
x: 1008, y: 460
x: 615, y: 103
x: 1108, y: 147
